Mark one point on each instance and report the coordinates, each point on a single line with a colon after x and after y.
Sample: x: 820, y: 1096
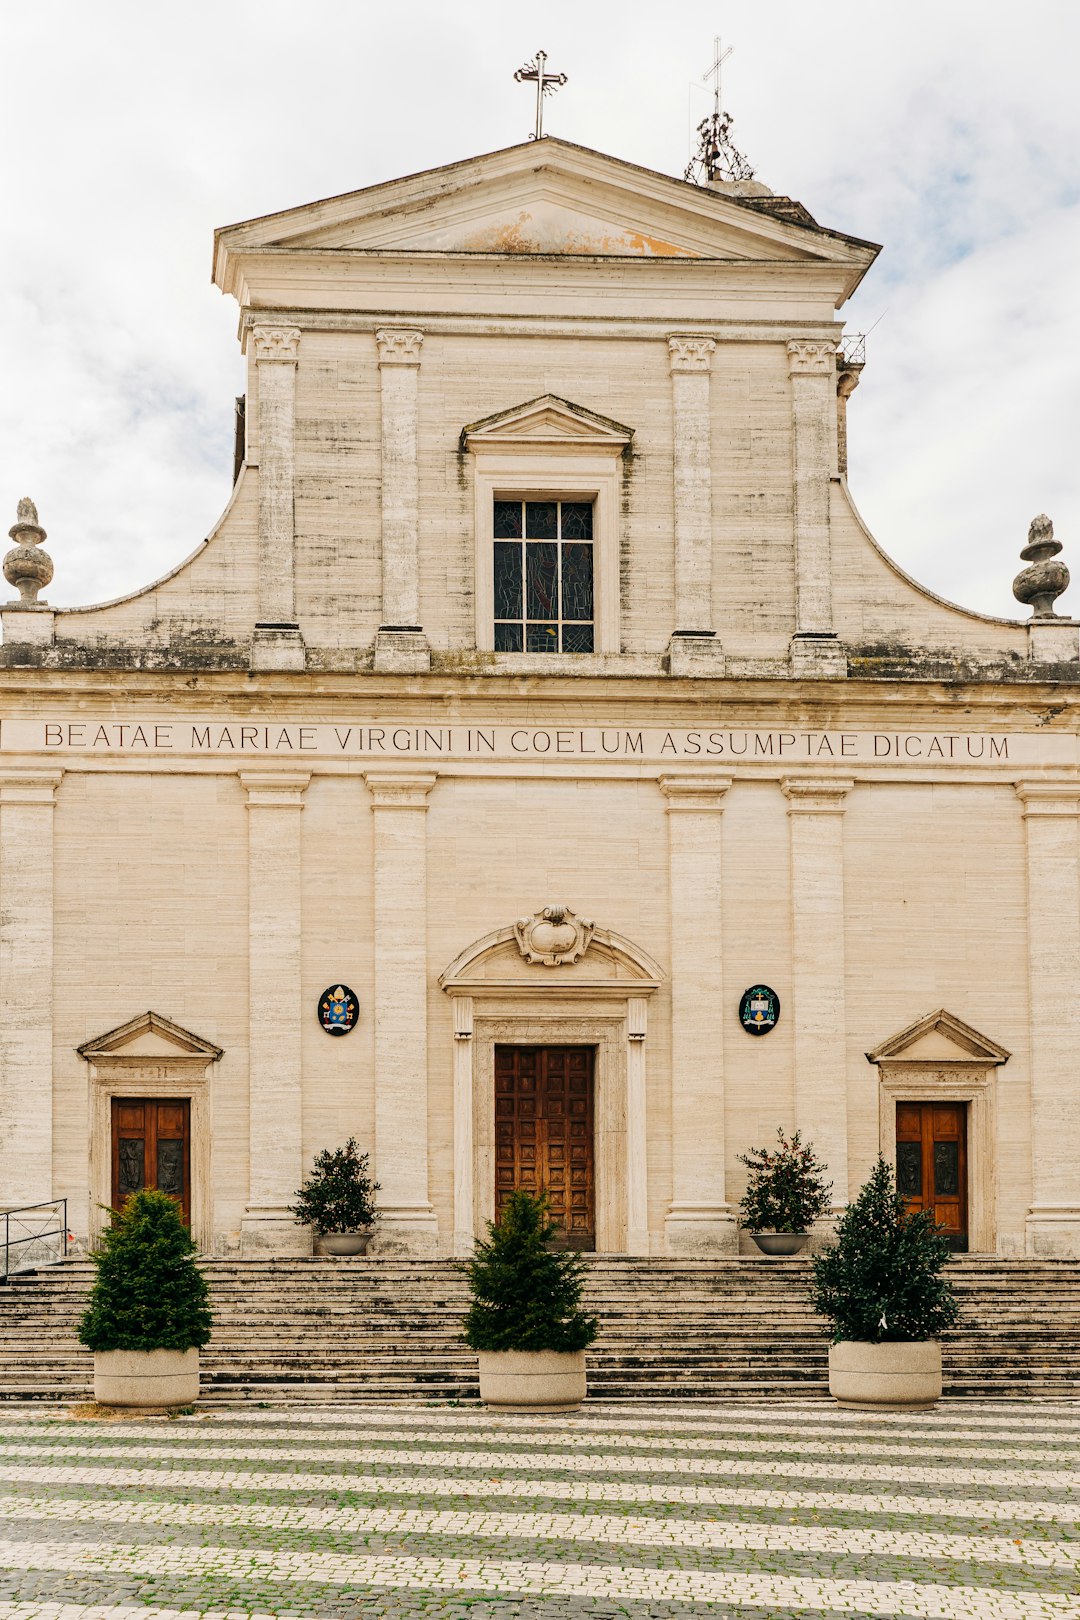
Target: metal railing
x: 853, y: 348
x: 28, y: 1231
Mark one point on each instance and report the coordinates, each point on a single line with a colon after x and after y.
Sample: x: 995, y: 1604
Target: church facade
x: 540, y: 773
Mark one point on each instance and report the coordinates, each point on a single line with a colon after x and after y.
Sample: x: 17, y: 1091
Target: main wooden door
x: 931, y: 1163
x: 544, y: 1133
x: 151, y: 1147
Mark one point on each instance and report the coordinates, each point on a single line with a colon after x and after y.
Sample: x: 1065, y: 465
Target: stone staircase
x: 384, y: 1330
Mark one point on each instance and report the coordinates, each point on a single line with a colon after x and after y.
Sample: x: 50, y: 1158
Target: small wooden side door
x: 931, y: 1163
x: 151, y: 1147
x: 544, y: 1133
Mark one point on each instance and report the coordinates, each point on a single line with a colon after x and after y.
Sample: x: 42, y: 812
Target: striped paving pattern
x: 762, y: 1512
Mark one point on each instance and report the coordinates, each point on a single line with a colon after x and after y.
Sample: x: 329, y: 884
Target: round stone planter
x: 780, y: 1243
x: 532, y: 1380
x: 885, y: 1377
x: 347, y: 1242
x: 146, y: 1377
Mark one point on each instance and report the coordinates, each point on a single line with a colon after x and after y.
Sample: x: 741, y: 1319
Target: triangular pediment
x: 152, y: 1036
x: 940, y: 1037
x: 548, y: 422
x: 543, y: 198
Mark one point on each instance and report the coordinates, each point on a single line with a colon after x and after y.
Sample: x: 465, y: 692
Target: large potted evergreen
x: 525, y: 1319
x: 338, y: 1200
x: 881, y: 1286
x: 786, y: 1192
x: 149, y: 1309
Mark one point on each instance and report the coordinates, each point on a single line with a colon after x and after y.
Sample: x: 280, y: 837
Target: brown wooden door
x: 151, y: 1147
x: 544, y: 1133
x: 931, y: 1163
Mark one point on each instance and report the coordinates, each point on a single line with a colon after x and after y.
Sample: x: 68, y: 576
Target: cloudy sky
x: 950, y: 132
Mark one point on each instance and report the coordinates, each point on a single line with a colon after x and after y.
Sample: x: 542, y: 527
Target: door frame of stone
x: 121, y: 1065
x: 600, y: 1000
x: 967, y: 1074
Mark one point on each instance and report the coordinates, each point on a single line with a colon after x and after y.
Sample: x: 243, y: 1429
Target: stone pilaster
x: 637, y: 1162
x: 400, y: 646
x: 694, y: 646
x: 26, y: 986
x: 277, y: 643
x: 464, y: 1135
x: 700, y: 1221
x: 399, y: 947
x: 847, y: 381
x: 1053, y: 893
x: 812, y: 367
x: 815, y: 818
x: 275, y: 1012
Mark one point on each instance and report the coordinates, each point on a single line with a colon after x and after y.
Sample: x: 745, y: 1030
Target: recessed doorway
x: 151, y: 1147
x: 544, y: 1111
x: 931, y: 1164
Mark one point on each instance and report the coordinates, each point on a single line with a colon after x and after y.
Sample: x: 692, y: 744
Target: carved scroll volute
x: 554, y: 936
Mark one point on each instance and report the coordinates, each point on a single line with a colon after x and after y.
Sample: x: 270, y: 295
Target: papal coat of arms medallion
x: 338, y: 1010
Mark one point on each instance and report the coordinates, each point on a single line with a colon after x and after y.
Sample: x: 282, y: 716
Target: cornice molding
x: 1049, y: 797
x: 821, y: 795
x: 700, y: 793
x: 398, y: 791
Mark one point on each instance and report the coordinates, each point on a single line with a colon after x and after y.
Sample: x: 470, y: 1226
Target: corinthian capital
x: 276, y: 342
x: 399, y: 348
x: 690, y: 353
x: 811, y: 358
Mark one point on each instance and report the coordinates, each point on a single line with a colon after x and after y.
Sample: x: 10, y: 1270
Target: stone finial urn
x: 1043, y: 582
x: 27, y: 567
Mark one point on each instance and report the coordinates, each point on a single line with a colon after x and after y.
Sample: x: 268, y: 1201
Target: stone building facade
x: 542, y: 686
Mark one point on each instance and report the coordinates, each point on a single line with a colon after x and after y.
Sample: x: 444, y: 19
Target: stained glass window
x: 543, y: 576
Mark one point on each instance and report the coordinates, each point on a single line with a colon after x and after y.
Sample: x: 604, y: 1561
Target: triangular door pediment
x: 552, y: 199
x: 940, y: 1037
x: 547, y: 421
x: 150, y: 1035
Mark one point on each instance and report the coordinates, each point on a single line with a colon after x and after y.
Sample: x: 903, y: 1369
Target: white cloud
x: 947, y: 132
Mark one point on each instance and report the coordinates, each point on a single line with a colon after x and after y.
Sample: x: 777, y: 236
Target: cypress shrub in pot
x: 881, y: 1286
x: 525, y: 1319
x: 149, y: 1310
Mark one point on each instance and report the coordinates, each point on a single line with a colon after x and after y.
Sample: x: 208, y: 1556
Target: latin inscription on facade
x: 648, y: 745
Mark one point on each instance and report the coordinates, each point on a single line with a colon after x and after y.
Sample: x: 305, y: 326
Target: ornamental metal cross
x: 720, y: 56
x: 546, y: 83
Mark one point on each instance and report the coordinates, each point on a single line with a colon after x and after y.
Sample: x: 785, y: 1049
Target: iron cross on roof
x: 546, y: 83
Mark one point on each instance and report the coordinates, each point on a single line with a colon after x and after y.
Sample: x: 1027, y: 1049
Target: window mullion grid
x: 558, y: 577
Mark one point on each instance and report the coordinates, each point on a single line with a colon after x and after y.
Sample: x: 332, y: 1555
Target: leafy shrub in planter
x: 339, y: 1195
x: 881, y: 1281
x: 786, y: 1190
x: 148, y: 1294
x: 525, y: 1295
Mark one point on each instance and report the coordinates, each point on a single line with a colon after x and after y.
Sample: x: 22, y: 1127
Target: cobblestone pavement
x: 763, y: 1512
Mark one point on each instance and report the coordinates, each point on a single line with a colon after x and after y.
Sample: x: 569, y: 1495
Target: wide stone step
x: 363, y: 1330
